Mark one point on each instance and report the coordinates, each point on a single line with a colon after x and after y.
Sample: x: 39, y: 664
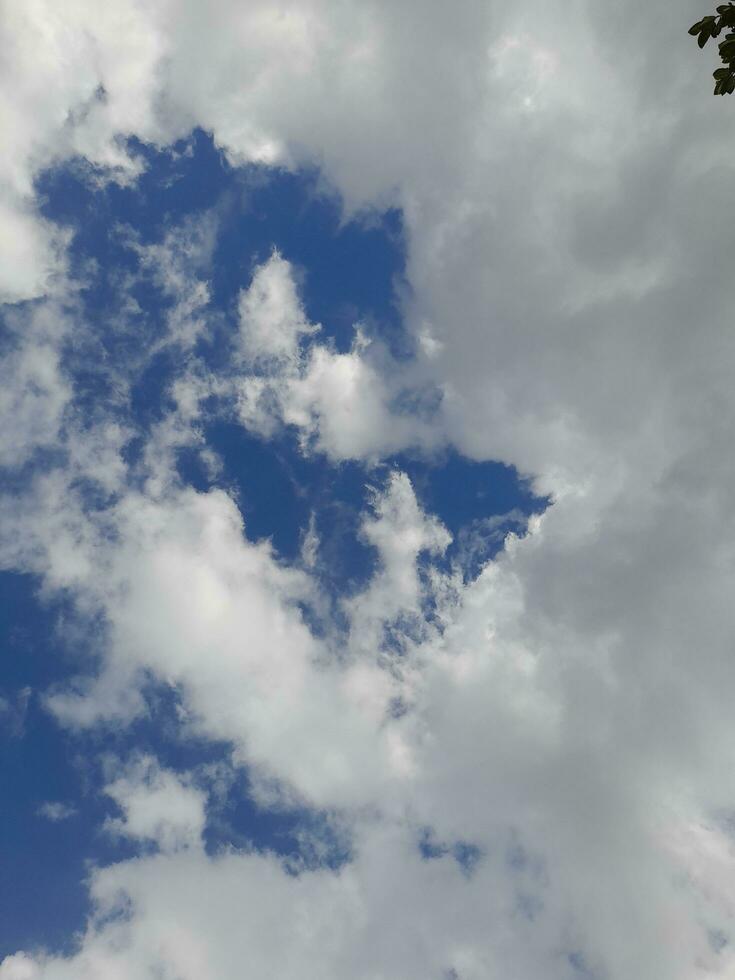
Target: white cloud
x: 310, y: 544
x: 178, y: 266
x: 33, y: 389
x: 341, y: 404
x: 19, y: 967
x: 272, y: 322
x: 71, y: 82
x: 32, y: 251
x: 56, y: 811
x: 388, y: 913
x: 400, y: 532
x: 158, y: 806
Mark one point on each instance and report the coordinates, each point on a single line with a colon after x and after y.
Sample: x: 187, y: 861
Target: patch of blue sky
x: 580, y: 968
x: 467, y: 855
x: 352, y: 270
x: 349, y: 271
x: 478, y: 502
x: 42, y: 893
x: 282, y: 494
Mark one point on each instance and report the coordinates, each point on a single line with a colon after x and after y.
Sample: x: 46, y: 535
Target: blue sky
x: 366, y: 562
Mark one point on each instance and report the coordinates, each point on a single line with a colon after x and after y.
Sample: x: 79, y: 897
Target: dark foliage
x: 712, y: 26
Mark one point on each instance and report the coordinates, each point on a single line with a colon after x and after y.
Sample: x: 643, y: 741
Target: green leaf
x: 696, y: 28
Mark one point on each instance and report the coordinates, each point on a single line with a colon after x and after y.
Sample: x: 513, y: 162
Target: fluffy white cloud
x: 568, y: 252
x: 389, y: 913
x: 188, y: 600
x: 33, y: 389
x: 158, y: 806
x: 341, y: 404
x: 272, y: 322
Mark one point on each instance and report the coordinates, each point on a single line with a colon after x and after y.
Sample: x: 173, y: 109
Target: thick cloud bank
x: 533, y: 768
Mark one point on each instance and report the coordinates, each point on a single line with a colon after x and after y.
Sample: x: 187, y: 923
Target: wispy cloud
x: 13, y: 709
x: 56, y: 811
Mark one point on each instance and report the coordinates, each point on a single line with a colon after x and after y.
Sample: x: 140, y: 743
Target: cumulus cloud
x: 568, y: 712
x: 341, y: 404
x: 187, y: 582
x: 272, y: 321
x: 157, y: 805
x: 34, y: 391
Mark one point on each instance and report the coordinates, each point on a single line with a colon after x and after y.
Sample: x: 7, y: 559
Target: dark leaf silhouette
x: 711, y: 26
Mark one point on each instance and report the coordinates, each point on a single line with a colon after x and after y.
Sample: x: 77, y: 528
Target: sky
x: 366, y: 537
